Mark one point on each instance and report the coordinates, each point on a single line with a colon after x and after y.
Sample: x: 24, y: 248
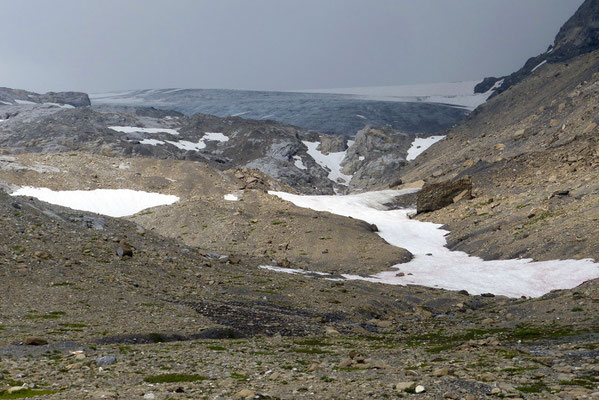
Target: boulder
x: 435, y: 196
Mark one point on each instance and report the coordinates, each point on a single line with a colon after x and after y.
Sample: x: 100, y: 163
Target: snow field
x: 433, y: 264
x: 111, y: 202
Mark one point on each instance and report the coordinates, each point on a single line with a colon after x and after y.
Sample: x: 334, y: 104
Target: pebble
x: 419, y: 389
x: 149, y: 396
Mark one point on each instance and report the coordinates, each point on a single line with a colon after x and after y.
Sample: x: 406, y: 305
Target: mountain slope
x: 532, y: 152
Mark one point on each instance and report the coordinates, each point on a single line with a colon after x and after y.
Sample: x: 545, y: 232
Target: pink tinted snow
x: 433, y: 264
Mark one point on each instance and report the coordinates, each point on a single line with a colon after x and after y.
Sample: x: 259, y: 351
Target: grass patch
x: 241, y: 377
x: 217, y: 348
x: 63, y: 284
x: 588, y: 382
x: 22, y: 394
x: 51, y: 315
x: 312, y: 342
x: 312, y: 350
x: 521, y: 206
x: 170, y: 378
x: 75, y: 325
x: 577, y: 309
x: 534, y: 388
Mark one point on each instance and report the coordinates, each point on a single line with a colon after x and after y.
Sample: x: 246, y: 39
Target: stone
x: 464, y: 195
x: 35, y: 341
x: 105, y: 360
x: 15, y: 389
x: 435, y: 196
x: 149, y: 396
x: 330, y: 331
x: 590, y: 127
x: 444, y: 371
x: 403, y: 386
x: 124, y: 249
x: 419, y: 389
x: 345, y: 363
x: 245, y: 394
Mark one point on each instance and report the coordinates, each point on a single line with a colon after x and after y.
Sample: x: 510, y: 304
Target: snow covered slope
x: 433, y: 264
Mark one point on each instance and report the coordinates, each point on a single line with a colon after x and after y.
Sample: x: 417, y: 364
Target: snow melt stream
x: 433, y: 264
x: 111, y: 202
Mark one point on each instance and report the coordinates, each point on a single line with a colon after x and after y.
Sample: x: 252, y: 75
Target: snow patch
x: 136, y: 129
x: 189, y: 146
x: 299, y: 163
x: 433, y: 264
x: 152, y: 142
x: 421, y: 144
x: 331, y: 162
x: 24, y: 102
x: 215, y: 136
x: 6, y: 103
x: 59, y: 105
x: 111, y: 202
x: 231, y: 197
x: 538, y: 66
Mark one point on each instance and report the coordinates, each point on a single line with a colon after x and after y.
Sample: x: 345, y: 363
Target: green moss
x: 312, y: 350
x: 22, y: 394
x: 241, y: 377
x: 170, y: 378
x: 217, y: 348
x: 312, y: 342
x: 534, y: 388
x: 157, y: 338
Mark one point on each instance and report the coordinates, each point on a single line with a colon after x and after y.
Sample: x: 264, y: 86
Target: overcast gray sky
x: 101, y: 45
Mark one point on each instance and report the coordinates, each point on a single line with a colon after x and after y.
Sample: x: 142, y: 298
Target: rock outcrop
x: 16, y: 96
x: 435, y: 196
x: 377, y: 154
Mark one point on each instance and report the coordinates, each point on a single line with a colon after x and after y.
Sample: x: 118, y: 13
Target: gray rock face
x: 75, y: 99
x: 435, y: 196
x: 271, y: 147
x: 375, y: 157
x: 332, y: 144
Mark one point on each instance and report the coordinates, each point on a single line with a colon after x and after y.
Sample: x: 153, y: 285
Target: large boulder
x: 435, y: 196
x: 376, y: 156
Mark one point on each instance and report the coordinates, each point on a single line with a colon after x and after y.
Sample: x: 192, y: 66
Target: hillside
x: 266, y: 268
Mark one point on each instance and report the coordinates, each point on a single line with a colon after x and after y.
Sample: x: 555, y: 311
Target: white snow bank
x: 59, y: 105
x: 331, y: 162
x: 434, y: 265
x: 539, y: 66
x: 454, y: 93
x: 152, y: 142
x: 111, y: 202
x: 189, y: 146
x: 136, y: 129
x: 6, y: 103
x: 421, y: 144
x: 24, y: 102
